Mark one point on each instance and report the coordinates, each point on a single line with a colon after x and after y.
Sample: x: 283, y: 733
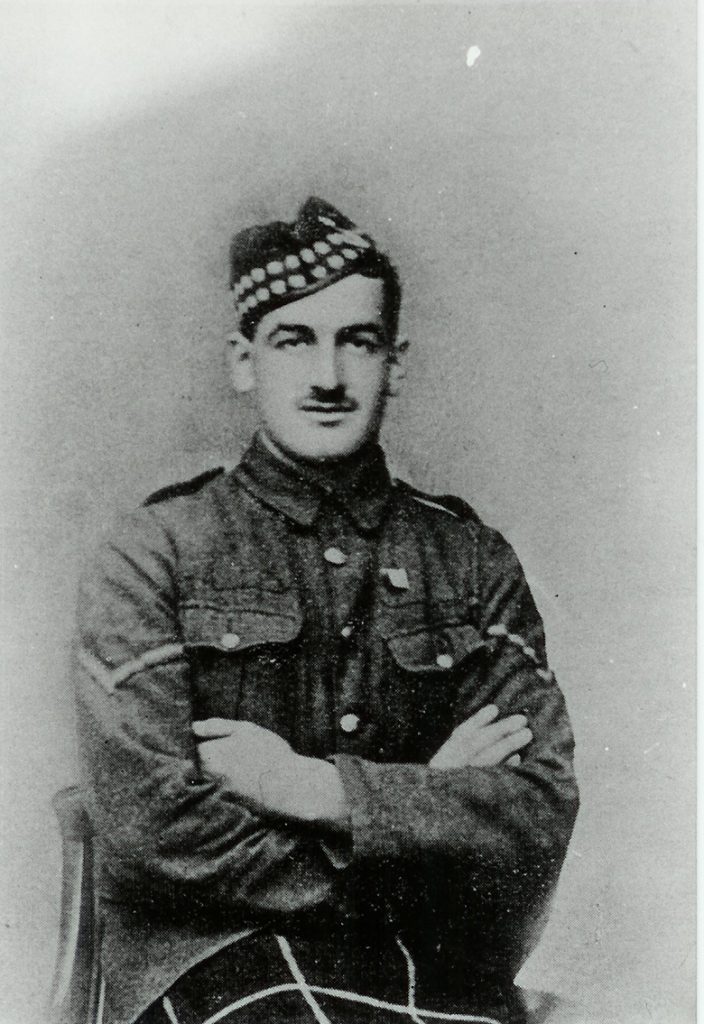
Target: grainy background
x: 540, y: 206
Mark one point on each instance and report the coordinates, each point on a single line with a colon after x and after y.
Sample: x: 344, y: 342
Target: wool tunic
x: 362, y: 621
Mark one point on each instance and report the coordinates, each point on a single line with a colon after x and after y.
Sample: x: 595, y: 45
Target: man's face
x: 320, y: 368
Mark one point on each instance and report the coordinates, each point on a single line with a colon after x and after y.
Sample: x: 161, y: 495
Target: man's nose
x: 327, y: 370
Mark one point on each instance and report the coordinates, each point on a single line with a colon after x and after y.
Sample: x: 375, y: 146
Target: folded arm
x: 478, y: 800
x: 161, y: 821
x: 507, y: 817
x: 262, y: 771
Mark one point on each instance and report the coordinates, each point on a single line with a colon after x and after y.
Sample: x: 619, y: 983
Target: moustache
x: 343, y: 404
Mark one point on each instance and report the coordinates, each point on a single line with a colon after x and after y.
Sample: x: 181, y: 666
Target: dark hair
x: 373, y: 264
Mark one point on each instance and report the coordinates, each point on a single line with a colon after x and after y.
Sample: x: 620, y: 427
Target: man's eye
x: 366, y: 342
x: 290, y: 341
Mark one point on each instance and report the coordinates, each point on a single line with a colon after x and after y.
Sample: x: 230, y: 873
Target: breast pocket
x: 425, y: 666
x: 436, y: 650
x: 238, y: 654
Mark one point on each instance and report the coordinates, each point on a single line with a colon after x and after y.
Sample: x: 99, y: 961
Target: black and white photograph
x: 349, y: 551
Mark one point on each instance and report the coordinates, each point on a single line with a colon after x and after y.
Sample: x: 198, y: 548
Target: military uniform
x: 362, y: 621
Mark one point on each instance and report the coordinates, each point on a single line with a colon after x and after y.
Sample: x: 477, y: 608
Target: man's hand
x: 481, y: 741
x: 252, y: 761
x: 262, y: 770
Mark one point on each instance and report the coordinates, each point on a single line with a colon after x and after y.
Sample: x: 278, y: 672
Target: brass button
x: 444, y: 661
x: 334, y: 556
x: 230, y: 641
x: 349, y: 723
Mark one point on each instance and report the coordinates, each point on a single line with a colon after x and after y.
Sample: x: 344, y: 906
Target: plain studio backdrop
x: 538, y: 198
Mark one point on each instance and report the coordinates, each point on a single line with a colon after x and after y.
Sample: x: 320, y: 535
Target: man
x: 329, y: 771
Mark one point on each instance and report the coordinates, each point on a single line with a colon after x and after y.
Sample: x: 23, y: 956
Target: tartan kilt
x: 269, y: 978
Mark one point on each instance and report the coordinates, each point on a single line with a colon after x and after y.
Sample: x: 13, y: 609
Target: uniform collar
x: 359, y: 486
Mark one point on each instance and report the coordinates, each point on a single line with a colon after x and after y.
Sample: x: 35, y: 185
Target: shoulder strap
x: 449, y: 503
x: 177, y: 490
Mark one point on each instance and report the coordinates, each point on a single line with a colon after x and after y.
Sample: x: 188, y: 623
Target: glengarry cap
x: 273, y: 264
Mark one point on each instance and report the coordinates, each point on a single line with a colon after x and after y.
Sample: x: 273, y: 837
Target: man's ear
x: 239, y: 354
x: 397, y: 366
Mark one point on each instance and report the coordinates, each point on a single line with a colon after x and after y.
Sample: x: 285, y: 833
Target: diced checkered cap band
x: 336, y: 250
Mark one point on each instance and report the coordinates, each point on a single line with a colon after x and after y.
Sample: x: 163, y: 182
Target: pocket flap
x: 439, y: 649
x: 238, y: 629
